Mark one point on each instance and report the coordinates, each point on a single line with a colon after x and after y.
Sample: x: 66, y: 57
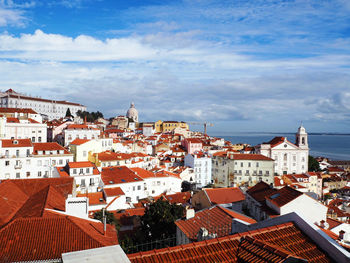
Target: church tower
x: 301, y: 138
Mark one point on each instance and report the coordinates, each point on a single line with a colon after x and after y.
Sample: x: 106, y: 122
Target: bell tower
x: 301, y: 138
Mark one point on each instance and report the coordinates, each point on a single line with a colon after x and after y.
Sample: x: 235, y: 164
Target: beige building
x: 169, y: 126
x: 230, y: 169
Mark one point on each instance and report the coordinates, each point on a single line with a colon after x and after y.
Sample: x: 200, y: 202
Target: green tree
x: 110, y: 219
x: 68, y: 113
x: 158, y: 220
x: 314, y: 165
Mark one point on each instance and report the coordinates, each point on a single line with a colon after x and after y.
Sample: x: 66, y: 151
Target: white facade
x: 23, y: 161
x: 23, y: 129
x: 70, y: 134
x: 289, y: 158
x: 202, y: 168
x: 51, y: 108
x: 304, y: 205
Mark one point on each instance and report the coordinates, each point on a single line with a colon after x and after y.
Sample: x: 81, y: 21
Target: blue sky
x: 243, y: 65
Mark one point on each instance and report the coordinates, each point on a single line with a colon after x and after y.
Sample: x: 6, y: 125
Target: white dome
x: 132, y: 113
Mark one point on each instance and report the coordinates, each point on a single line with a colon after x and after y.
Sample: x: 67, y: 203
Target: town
x: 76, y: 186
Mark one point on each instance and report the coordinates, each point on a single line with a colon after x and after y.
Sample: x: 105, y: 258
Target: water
x: 335, y: 147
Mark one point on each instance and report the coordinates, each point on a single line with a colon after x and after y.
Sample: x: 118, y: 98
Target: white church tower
x: 301, y: 138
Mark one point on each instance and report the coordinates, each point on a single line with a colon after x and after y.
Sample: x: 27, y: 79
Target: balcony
x: 18, y: 166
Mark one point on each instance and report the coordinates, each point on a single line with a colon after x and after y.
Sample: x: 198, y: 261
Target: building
x: 83, y: 148
x: 132, y: 114
x: 264, y: 202
x: 86, y: 176
x: 201, y: 164
x: 289, y: 158
x: 209, y: 223
x: 231, y: 197
x: 20, y: 128
x: 192, y: 145
x: 233, y: 169
x: 80, y: 131
x: 50, y: 109
x: 169, y: 126
x: 23, y: 159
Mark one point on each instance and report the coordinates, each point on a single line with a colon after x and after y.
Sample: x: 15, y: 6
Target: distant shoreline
x: 287, y: 133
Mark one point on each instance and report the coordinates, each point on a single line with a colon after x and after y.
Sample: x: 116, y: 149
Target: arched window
x: 285, y: 157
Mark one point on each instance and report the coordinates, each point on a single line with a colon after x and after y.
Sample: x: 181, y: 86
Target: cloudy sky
x: 242, y: 65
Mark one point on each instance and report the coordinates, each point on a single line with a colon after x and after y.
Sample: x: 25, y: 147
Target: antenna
x: 104, y: 220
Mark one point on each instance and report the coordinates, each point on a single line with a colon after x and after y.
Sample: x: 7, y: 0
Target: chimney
x: 104, y: 221
x: 341, y: 235
x: 322, y: 224
x: 190, y: 213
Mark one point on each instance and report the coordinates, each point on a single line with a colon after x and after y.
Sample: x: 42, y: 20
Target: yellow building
x: 168, y: 126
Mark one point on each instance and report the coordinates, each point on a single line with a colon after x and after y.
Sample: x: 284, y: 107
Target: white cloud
x: 11, y: 17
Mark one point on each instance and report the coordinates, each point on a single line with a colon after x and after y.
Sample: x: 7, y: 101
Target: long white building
x: 51, y: 109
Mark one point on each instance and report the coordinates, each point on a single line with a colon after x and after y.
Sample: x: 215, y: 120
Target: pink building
x: 192, y: 145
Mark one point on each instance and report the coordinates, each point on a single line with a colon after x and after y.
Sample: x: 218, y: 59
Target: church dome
x: 132, y: 113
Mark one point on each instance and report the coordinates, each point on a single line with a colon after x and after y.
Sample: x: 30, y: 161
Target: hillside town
x: 77, y: 187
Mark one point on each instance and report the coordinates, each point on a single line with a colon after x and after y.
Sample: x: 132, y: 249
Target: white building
x: 82, y: 148
x: 79, y: 131
x: 138, y: 183
x: 201, y: 163
x: 289, y: 158
x: 23, y: 159
x: 86, y: 175
x: 15, y: 128
x: 52, y: 109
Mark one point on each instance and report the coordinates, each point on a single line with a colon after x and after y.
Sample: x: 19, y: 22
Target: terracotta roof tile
x: 29, y: 239
x: 119, y: 175
x: 16, y: 143
x: 115, y: 191
x: 283, y: 196
x: 94, y: 198
x: 284, y: 239
x: 49, y: 146
x: 79, y: 141
x: 247, y: 156
x: 224, y: 195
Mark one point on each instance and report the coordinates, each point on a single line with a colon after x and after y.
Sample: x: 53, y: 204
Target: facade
x: 201, y: 164
x: 289, y: 158
x: 52, y: 109
x: 15, y: 128
x: 232, y: 169
x: 86, y: 176
x: 23, y: 159
x: 192, y: 145
x: 82, y: 148
x: 169, y: 126
x: 79, y: 131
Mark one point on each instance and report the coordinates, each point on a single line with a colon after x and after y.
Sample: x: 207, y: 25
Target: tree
x: 314, y: 165
x: 68, y: 113
x: 158, y: 220
x: 110, y: 219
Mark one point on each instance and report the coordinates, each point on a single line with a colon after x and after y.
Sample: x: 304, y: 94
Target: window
x: 81, y: 170
x: 139, y: 187
x: 33, y: 139
x: 257, y: 164
x: 7, y: 153
x: 39, y: 162
x: 7, y: 163
x: 285, y: 157
x: 133, y: 188
x: 28, y: 152
x: 91, y: 181
x: 84, y: 153
x: 249, y: 164
x: 53, y: 162
x: 28, y: 174
x: 82, y: 182
x: 74, y: 171
x: 17, y: 153
x: 39, y: 174
x: 18, y: 175
x: 39, y: 139
x: 60, y: 161
x: 87, y: 170
x: 28, y: 162
x: 241, y: 164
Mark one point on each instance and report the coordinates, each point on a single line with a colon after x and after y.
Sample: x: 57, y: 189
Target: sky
x: 242, y: 65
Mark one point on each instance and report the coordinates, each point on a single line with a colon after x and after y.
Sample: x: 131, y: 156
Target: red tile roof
x: 94, y: 198
x: 32, y: 239
x: 224, y: 195
x: 179, y: 198
x: 119, y: 175
x: 260, y: 191
x: 81, y: 164
x: 16, y: 143
x: 217, y: 220
x: 43, y: 100
x: 12, y: 120
x: 283, y: 196
x: 285, y: 238
x: 49, y: 146
x: 248, y: 156
x: 79, y: 141
x: 115, y: 191
x: 13, y: 110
